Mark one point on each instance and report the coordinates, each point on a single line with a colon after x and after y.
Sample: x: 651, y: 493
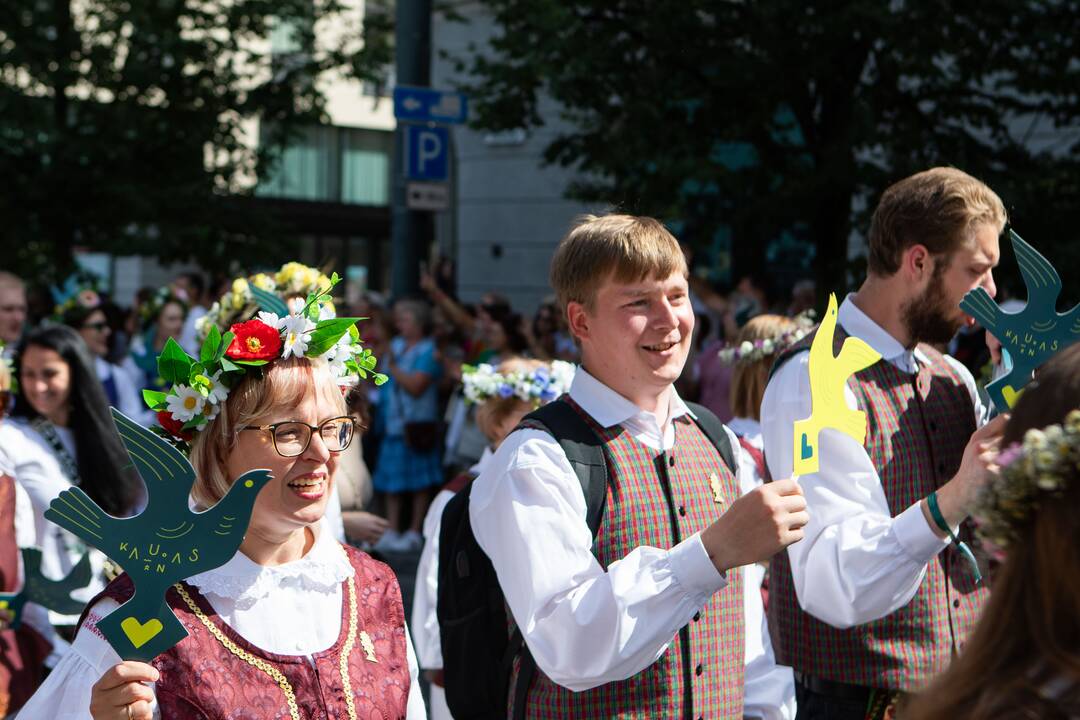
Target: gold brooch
x: 717, y: 488
x: 368, y: 646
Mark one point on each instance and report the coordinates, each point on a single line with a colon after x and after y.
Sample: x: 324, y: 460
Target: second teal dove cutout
x: 164, y: 544
x: 1030, y: 336
x: 52, y: 594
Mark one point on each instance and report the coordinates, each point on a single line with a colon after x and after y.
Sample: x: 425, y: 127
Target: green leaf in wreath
x: 173, y: 363
x: 326, y: 334
x: 211, y: 345
x: 154, y: 400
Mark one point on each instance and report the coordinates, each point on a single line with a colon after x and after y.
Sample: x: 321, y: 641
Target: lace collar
x: 243, y: 581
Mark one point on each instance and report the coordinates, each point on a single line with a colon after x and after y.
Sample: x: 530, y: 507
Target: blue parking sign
x: 427, y: 153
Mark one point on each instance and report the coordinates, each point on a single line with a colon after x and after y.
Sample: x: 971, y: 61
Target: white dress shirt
x: 290, y: 609
x: 856, y: 563
x: 587, y: 625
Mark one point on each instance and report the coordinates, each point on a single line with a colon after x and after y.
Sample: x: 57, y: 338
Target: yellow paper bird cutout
x: 828, y: 376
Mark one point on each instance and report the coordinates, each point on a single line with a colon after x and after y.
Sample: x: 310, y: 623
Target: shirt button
x: 671, y: 460
x: 682, y: 511
x: 699, y: 670
x: 697, y: 616
x: 956, y: 603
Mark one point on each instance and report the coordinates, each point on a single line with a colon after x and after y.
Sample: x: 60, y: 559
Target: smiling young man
x: 645, y: 620
x: 875, y: 602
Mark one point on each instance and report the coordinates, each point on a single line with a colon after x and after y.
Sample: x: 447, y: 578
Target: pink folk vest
x: 659, y: 499
x: 202, y: 680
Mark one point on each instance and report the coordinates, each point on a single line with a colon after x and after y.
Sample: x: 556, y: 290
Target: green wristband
x: 939, y: 520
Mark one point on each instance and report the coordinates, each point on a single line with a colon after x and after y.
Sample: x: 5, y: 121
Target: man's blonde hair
x: 625, y: 248
x: 283, y: 384
x: 937, y: 208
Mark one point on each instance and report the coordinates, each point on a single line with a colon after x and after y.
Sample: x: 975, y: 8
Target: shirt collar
x: 856, y: 322
x: 609, y: 408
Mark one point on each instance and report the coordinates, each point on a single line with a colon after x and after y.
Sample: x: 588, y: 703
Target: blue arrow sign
x: 417, y: 104
x: 427, y: 152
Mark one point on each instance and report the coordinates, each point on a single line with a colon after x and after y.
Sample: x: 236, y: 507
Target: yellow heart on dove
x: 140, y: 633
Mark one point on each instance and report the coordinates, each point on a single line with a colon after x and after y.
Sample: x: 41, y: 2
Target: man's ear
x: 577, y: 320
x: 917, y: 263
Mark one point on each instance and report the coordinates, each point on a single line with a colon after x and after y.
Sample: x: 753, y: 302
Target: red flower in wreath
x: 173, y: 426
x: 254, y: 340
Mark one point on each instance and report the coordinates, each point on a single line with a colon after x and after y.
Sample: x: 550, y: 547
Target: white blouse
x: 35, y: 467
x: 249, y: 598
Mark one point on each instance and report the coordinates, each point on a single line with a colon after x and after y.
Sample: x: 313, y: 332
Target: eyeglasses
x: 292, y: 438
x: 99, y: 326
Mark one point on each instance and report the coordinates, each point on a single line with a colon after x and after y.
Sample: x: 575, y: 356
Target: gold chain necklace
x: 275, y: 674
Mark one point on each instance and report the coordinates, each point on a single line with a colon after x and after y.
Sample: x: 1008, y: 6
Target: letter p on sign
x: 427, y: 153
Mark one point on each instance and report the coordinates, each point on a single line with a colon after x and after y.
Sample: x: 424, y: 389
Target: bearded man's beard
x: 928, y: 318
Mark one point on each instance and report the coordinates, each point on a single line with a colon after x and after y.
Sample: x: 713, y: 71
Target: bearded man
x: 875, y: 601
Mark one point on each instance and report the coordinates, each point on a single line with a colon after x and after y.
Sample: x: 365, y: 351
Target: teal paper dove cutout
x: 828, y: 377
x: 52, y: 594
x: 164, y: 544
x: 1030, y: 336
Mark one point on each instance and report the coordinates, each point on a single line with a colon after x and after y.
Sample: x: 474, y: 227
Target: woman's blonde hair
x: 492, y: 413
x: 283, y: 384
x: 749, y: 378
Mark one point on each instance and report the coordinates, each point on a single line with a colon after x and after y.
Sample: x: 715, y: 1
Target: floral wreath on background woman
x: 1030, y: 473
x: 200, y: 385
x: 293, y: 283
x: 80, y: 291
x: 748, y: 352
x: 538, y: 387
x: 149, y: 310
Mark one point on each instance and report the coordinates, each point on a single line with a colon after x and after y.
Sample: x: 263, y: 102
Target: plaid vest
x: 917, y: 428
x: 659, y: 499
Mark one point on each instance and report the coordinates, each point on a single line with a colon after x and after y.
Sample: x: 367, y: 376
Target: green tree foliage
x: 777, y: 116
x: 122, y: 124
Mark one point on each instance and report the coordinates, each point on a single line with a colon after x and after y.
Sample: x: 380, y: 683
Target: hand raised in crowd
x: 120, y: 694
x: 758, y: 525
x: 957, y: 497
x: 427, y: 281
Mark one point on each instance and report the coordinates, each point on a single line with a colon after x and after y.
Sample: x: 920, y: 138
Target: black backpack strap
x: 714, y: 430
x: 585, y: 451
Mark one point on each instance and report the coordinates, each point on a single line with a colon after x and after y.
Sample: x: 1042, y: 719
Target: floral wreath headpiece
x: 748, y: 352
x: 293, y: 282
x: 200, y: 385
x: 80, y: 290
x: 1030, y: 473
x: 538, y: 387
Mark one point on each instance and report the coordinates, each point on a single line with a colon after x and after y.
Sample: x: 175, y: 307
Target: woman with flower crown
x: 502, y: 395
x: 295, y: 625
x: 1023, y: 660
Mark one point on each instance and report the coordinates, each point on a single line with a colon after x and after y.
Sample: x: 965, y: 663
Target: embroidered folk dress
x: 295, y: 609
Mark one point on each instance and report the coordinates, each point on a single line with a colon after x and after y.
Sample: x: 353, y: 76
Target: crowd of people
x: 603, y: 494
